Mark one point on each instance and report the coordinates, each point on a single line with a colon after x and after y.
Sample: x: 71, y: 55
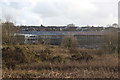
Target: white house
x: 29, y: 38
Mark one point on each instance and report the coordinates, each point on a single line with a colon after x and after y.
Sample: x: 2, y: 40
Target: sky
x: 60, y: 12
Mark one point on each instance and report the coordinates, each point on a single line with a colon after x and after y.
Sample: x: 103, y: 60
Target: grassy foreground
x: 41, y: 61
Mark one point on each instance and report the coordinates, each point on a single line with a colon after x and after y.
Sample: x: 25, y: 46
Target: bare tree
x: 0, y: 33
x: 111, y: 41
x: 69, y: 41
x: 8, y: 30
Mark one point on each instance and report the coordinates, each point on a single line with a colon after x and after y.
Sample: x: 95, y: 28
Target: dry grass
x: 102, y: 66
x: 82, y: 73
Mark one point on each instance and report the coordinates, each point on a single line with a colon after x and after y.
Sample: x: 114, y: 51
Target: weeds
x: 82, y: 57
x: 29, y: 61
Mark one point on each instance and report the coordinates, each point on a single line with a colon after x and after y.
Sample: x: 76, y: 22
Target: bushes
x: 59, y: 59
x: 8, y: 30
x: 110, y: 41
x: 82, y: 56
x: 20, y: 54
x: 74, y: 50
x: 69, y: 41
x: 44, y: 55
x: 13, y: 55
x: 16, y: 54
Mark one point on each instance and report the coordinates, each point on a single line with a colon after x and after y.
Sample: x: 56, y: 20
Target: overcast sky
x: 60, y: 12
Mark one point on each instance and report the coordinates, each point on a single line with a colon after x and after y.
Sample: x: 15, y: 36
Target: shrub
x: 47, y: 51
x: 82, y: 56
x: 10, y: 64
x: 110, y: 41
x: 69, y: 41
x: 99, y: 52
x: 44, y: 55
x: 8, y: 30
x: 12, y: 55
x: 74, y: 50
x: 58, y: 58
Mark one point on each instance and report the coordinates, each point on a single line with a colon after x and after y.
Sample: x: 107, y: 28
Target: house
x: 27, y: 38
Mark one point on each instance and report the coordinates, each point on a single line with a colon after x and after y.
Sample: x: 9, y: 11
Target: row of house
x: 69, y: 27
x: 60, y: 28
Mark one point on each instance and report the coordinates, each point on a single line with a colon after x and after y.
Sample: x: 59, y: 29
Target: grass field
x: 43, y: 61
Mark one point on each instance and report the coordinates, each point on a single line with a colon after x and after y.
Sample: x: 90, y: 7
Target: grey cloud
x: 16, y: 5
x: 46, y: 9
x: 62, y: 12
